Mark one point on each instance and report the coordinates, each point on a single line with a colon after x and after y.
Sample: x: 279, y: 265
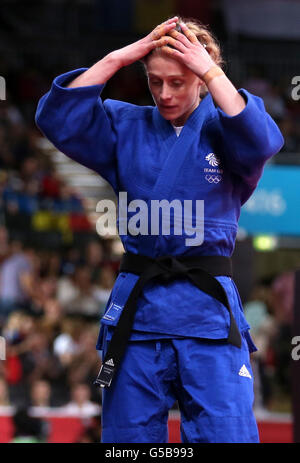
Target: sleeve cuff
x: 62, y: 80
x: 248, y: 98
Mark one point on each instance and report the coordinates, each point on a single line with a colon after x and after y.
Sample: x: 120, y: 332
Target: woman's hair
x: 203, y: 34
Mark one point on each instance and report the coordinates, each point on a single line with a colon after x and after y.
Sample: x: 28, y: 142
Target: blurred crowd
x: 277, y: 97
x: 56, y: 275
x: 50, y: 307
x: 270, y: 313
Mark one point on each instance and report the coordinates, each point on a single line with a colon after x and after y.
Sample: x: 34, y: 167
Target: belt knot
x: 171, y: 266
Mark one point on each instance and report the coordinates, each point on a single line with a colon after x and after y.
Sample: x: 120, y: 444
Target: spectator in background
x: 28, y: 429
x: 5, y: 405
x: 51, y: 319
x: 66, y: 286
x: 105, y: 284
x: 37, y: 356
x: 51, y: 182
x: 30, y: 170
x: 40, y: 395
x: 81, y: 404
x: 94, y: 258
x: 67, y: 200
x: 18, y: 329
x: 85, y: 363
x: 28, y: 199
x: 13, y: 289
x: 91, y: 433
x: 84, y: 302
x: 32, y: 283
x: 40, y: 283
x: 48, y: 288
x: 70, y: 261
x: 51, y: 264
x: 66, y: 344
x: 282, y: 299
x: 38, y: 361
x: 258, y: 312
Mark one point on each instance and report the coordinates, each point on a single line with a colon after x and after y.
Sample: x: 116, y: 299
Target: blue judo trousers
x: 214, y: 399
x: 176, y: 349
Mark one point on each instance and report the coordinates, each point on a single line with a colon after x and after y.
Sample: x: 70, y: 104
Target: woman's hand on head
x: 188, y: 50
x: 138, y: 50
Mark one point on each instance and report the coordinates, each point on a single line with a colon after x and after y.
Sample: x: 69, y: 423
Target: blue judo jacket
x: 216, y: 158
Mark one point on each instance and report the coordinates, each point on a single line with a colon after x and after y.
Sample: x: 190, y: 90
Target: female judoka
x: 174, y: 327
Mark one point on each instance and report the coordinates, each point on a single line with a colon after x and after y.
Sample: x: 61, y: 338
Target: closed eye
x: 154, y: 82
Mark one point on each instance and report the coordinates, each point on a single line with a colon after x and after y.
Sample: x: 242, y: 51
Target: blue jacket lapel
x: 176, y: 152
x: 177, y: 149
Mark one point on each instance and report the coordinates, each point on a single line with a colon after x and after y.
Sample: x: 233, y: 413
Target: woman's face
x: 174, y: 88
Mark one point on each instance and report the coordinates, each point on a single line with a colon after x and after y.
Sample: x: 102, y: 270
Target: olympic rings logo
x: 213, y: 178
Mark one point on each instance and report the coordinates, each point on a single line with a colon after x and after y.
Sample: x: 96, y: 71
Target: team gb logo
x: 212, y: 159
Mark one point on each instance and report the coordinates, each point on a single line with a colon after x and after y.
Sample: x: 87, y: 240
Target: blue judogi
x: 216, y: 158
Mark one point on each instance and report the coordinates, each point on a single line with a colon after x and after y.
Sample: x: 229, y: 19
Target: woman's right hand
x: 104, y: 69
x: 142, y: 47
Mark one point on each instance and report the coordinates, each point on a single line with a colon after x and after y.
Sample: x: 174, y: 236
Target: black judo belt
x: 200, y: 270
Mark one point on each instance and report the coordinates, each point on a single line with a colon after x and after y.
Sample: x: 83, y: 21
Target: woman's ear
x: 202, y: 88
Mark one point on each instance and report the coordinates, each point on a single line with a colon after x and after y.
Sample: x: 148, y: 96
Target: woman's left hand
x: 188, y: 50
